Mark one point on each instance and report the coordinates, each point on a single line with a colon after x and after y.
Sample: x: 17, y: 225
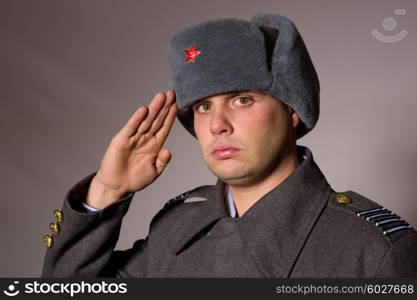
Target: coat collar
x: 277, y: 226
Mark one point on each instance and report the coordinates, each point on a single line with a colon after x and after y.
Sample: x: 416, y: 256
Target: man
x: 246, y: 91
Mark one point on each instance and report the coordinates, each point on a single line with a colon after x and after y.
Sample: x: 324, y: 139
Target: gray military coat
x: 302, y: 228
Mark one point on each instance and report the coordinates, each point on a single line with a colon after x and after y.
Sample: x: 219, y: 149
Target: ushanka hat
x: 266, y: 54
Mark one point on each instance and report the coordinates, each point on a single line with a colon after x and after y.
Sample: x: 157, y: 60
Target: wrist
x: 100, y: 196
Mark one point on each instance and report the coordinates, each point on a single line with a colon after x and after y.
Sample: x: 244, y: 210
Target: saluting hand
x: 135, y: 157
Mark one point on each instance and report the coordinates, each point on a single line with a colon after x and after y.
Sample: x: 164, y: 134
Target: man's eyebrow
x: 228, y: 96
x: 196, y: 102
x: 234, y: 94
x: 231, y: 95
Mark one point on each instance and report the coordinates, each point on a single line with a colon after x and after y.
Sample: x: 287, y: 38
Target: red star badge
x: 191, y: 54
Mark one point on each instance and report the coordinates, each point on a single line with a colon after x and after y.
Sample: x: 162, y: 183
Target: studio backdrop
x: 73, y: 72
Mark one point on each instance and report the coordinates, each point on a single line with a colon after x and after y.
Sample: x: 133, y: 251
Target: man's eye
x: 243, y: 101
x: 203, y: 107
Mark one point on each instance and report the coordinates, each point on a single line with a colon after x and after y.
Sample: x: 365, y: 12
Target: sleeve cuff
x: 89, y: 208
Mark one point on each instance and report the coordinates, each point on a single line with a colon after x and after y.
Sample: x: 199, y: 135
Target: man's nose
x: 220, y: 122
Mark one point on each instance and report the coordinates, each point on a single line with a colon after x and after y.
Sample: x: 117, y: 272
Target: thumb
x: 164, y: 156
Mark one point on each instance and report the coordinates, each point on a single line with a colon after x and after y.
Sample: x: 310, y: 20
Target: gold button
x: 55, y: 229
x: 343, y: 199
x: 48, y: 241
x: 59, y: 217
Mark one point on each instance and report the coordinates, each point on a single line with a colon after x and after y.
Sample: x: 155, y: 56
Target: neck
x: 246, y: 196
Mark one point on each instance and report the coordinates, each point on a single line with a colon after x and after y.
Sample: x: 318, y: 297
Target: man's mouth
x: 224, y: 151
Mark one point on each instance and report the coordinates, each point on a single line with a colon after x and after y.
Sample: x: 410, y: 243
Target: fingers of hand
x: 157, y: 104
x: 150, y: 118
x: 133, y: 123
x: 164, y: 156
x: 170, y: 95
x: 168, y: 122
x: 160, y: 119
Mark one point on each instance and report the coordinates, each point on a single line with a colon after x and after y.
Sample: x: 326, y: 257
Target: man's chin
x: 236, y: 178
x: 231, y: 171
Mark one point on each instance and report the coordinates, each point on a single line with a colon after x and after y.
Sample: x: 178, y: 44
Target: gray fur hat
x: 266, y: 54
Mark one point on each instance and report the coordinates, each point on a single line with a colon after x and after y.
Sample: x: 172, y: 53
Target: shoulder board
x: 200, y: 192
x: 176, y: 200
x: 385, y: 221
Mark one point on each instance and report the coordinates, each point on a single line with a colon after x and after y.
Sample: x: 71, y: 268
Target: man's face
x: 244, y: 136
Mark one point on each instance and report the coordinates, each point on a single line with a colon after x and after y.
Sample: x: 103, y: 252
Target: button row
x: 55, y: 229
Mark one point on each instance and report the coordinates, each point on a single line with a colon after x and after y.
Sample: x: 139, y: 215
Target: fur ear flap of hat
x: 295, y: 81
x: 265, y: 54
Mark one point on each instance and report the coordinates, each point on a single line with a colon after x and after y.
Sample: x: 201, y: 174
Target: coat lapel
x: 211, y: 210
x: 277, y: 226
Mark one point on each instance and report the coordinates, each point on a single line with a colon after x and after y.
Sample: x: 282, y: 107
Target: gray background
x: 72, y: 73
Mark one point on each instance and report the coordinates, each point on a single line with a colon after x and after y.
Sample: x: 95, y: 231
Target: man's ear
x: 295, y: 120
